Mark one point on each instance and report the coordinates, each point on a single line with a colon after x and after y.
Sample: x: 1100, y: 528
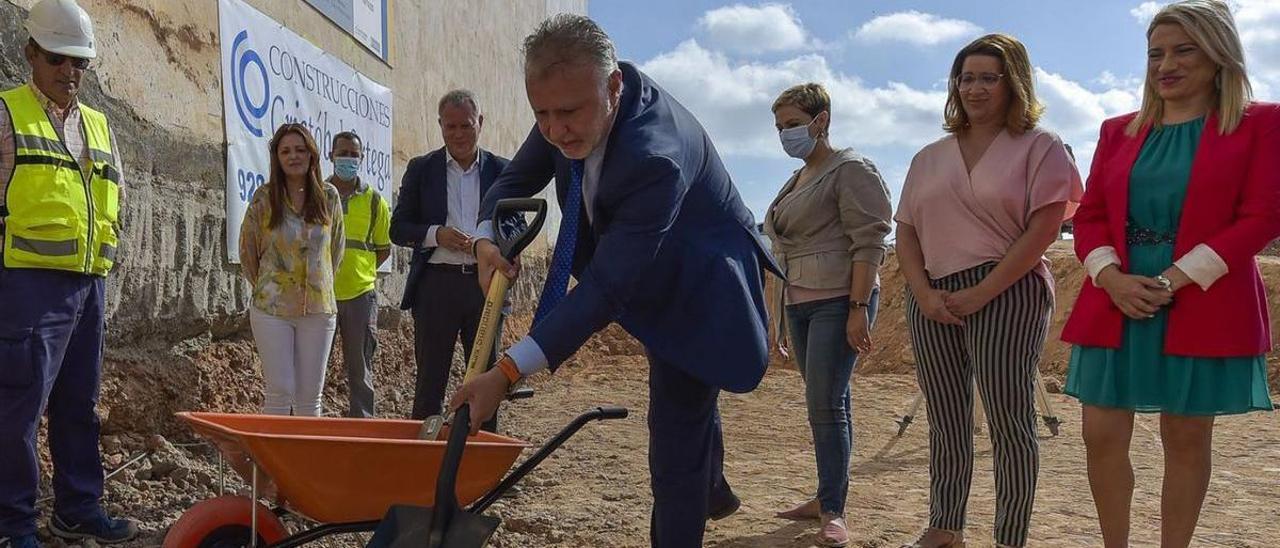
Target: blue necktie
x: 566, y: 240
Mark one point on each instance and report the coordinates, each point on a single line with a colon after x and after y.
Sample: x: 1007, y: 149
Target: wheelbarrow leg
x: 253, y: 512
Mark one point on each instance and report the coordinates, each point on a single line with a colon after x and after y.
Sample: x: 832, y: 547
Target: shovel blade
x: 407, y: 526
x: 430, y: 428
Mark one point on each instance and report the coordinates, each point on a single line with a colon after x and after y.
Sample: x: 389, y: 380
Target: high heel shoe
x: 934, y: 538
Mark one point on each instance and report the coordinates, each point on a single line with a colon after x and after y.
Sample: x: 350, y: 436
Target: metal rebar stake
x: 253, y: 510
x: 222, y: 476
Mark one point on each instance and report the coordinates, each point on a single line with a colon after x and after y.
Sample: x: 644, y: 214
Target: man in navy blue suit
x: 659, y: 242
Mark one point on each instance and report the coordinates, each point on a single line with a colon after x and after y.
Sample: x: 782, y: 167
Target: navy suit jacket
x: 672, y: 253
x: 424, y: 201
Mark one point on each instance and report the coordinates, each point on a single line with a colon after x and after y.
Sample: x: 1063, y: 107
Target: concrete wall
x: 158, y: 79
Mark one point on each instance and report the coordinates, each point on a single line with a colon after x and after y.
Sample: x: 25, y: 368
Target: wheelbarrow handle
x: 610, y: 412
x: 599, y: 413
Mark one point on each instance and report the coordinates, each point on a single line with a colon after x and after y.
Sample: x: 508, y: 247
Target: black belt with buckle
x: 1139, y: 235
x: 467, y: 269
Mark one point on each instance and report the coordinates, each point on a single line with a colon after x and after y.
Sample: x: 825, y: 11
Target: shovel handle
x: 490, y: 316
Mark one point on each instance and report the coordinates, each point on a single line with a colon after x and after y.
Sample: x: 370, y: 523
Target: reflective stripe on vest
x: 359, y: 245
x: 59, y: 214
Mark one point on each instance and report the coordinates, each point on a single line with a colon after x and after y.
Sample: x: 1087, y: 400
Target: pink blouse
x: 966, y: 219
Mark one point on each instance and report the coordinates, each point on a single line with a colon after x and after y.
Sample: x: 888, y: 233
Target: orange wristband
x: 508, y: 368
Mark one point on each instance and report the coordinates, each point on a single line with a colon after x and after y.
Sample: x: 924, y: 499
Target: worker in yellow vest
x: 367, y: 222
x: 60, y: 188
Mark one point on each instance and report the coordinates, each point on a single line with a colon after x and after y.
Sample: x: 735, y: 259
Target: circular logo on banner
x: 251, y: 112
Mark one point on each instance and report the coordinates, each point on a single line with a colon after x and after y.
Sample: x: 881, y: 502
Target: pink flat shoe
x: 833, y: 533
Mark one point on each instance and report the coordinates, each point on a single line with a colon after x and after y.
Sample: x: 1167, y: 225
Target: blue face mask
x: 346, y: 168
x: 797, y: 142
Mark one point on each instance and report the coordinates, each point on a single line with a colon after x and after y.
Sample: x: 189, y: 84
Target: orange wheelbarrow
x: 347, y: 474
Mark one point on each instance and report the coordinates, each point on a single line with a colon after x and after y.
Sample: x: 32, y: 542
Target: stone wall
x: 158, y: 79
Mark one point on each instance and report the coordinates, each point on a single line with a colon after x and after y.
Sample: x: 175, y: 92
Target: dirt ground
x: 594, y: 490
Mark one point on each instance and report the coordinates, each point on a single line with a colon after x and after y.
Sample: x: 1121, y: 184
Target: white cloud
x: 747, y: 29
x: 922, y: 29
x: 1076, y: 113
x: 1074, y: 110
x: 1146, y: 11
x: 1109, y: 80
x: 732, y: 100
x: 1258, y: 22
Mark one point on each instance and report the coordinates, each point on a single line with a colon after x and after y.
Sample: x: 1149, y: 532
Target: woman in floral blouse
x: 290, y: 247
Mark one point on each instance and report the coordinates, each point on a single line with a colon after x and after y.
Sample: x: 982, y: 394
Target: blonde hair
x: 1211, y: 26
x: 812, y: 98
x: 1024, y: 111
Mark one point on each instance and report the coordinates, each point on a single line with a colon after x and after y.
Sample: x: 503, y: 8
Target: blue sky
x: 885, y: 63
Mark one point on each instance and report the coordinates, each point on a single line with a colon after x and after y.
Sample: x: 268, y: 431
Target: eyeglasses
x: 985, y: 80
x: 57, y: 59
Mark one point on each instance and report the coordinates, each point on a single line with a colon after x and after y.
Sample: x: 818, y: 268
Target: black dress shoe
x: 725, y: 508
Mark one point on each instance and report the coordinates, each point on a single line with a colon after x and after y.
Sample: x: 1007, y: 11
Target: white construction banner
x: 270, y: 77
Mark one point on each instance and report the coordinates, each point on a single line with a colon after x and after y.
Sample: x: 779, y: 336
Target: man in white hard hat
x: 60, y: 182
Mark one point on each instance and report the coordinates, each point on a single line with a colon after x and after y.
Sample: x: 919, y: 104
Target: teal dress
x: 1139, y: 375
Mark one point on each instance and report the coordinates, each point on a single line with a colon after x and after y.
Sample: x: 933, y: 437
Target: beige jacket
x: 818, y: 227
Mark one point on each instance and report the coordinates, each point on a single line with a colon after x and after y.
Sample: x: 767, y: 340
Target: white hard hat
x: 62, y: 26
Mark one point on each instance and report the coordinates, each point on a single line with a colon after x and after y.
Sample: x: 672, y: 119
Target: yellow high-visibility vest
x: 366, y: 220
x: 55, y: 217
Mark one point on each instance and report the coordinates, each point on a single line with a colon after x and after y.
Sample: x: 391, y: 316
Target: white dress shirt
x: 464, y: 207
x: 528, y: 356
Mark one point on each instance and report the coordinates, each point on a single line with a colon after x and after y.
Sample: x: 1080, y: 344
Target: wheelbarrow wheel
x: 224, y: 522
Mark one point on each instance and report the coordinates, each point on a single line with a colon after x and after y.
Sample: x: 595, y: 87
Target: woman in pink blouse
x: 978, y: 210
x: 290, y: 247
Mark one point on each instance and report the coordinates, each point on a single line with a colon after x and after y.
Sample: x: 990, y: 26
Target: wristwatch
x: 509, y: 369
x: 854, y: 303
x: 1164, y: 282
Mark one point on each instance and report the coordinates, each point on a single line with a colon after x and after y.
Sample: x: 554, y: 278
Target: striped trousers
x: 999, y: 347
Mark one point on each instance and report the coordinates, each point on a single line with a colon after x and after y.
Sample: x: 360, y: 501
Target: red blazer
x: 1232, y: 205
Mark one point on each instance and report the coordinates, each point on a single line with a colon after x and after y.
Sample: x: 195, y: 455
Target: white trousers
x: 295, y: 353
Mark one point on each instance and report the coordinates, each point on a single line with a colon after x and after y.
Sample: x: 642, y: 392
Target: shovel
x: 513, y: 231
x: 444, y: 524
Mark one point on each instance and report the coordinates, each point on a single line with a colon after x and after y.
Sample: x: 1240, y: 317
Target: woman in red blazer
x: 1181, y: 196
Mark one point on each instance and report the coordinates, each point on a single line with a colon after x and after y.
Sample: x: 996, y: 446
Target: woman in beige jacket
x: 828, y: 227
